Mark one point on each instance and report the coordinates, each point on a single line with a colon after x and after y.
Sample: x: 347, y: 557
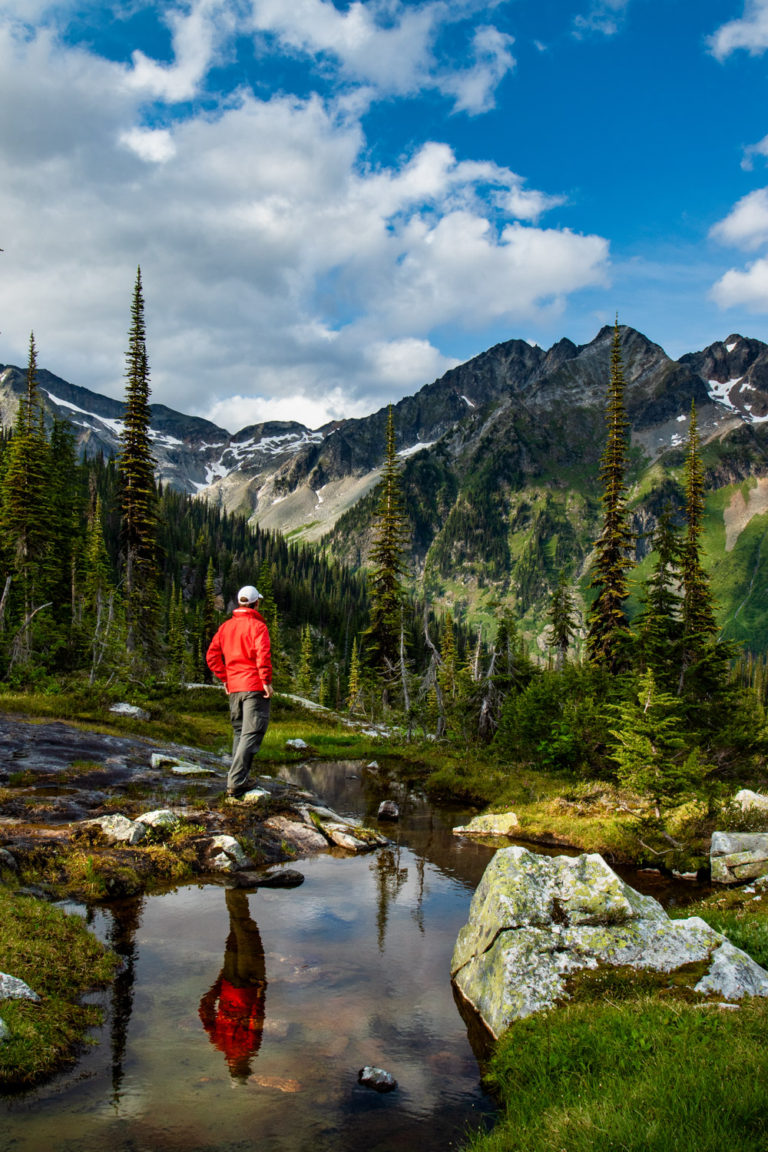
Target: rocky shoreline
x: 103, y: 815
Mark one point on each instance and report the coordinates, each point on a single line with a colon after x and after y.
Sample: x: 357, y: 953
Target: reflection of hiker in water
x: 232, y: 1012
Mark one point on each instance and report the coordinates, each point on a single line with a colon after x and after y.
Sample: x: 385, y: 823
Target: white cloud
x: 196, y: 35
x: 604, y: 17
x: 155, y: 145
x: 746, y: 225
x: 391, y: 46
x: 278, y: 265
x: 748, y: 288
x: 474, y: 89
x: 749, y: 32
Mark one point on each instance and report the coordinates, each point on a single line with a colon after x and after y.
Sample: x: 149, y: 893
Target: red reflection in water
x: 232, y: 1011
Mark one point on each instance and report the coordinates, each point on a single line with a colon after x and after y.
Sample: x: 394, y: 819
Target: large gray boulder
x: 490, y: 824
x: 535, y: 920
x: 738, y: 856
x: 119, y: 829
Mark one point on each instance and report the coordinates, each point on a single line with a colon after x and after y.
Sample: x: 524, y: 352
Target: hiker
x: 239, y: 655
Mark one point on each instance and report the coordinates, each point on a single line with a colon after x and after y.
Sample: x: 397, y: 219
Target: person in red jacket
x: 240, y: 656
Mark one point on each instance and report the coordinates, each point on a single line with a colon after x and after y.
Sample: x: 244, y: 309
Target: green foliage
x: 138, y: 496
x: 607, y: 632
x: 650, y: 747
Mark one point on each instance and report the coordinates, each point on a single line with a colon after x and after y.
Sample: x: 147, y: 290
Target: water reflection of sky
x: 356, y: 972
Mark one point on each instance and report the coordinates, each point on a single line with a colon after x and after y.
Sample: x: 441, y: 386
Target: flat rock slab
x: 280, y: 878
x: 735, y: 857
x: 302, y: 838
x: 535, y: 920
x: 491, y: 824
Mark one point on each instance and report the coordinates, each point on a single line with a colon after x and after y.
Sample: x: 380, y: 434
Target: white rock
x: 130, y: 710
x: 119, y: 829
x: 11, y: 988
x: 234, y: 856
x: 734, y: 974
x: 298, y: 744
x: 191, y: 770
x: 160, y: 818
x: 490, y: 824
x: 750, y: 801
x: 302, y: 838
x: 161, y: 759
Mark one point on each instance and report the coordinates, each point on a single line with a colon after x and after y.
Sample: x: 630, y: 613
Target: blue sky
x: 332, y: 203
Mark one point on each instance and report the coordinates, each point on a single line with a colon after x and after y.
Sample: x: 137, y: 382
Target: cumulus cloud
x: 196, y: 35
x: 749, y: 32
x: 748, y: 288
x: 746, y: 225
x: 280, y: 267
x: 391, y: 45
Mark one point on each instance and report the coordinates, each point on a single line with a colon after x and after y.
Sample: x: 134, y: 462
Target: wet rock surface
x: 534, y: 921
x: 62, y: 787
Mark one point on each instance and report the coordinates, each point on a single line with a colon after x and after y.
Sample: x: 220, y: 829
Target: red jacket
x: 239, y: 653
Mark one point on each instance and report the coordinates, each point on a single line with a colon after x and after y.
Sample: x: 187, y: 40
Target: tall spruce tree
x: 138, y: 496
x: 659, y: 625
x: 25, y: 511
x: 387, y: 558
x: 562, y: 621
x: 607, y: 628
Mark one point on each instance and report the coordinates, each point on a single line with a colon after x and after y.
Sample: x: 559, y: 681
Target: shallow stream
x: 240, y: 1020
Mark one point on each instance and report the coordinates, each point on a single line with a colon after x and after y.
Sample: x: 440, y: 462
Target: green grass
x: 59, y: 959
x: 640, y: 1075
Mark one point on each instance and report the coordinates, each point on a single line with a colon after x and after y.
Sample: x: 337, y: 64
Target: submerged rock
x: 491, y: 824
x: 280, y: 878
x: 11, y: 988
x: 388, y: 810
x: 738, y: 856
x: 535, y: 920
x: 376, y: 1078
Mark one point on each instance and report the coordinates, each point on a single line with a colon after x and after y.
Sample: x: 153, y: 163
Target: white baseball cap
x: 248, y: 595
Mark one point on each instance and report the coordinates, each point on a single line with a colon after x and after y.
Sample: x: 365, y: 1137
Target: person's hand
x: 268, y: 691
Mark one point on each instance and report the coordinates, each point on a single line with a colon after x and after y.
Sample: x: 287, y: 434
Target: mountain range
x: 501, y: 461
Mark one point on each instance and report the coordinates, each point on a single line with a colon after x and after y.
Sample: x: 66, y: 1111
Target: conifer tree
x: 304, y: 675
x: 562, y: 621
x: 138, y: 497
x: 698, y: 617
x: 177, y: 638
x: 355, y: 685
x: 387, y: 559
x: 607, y: 629
x: 448, y: 669
x: 659, y: 626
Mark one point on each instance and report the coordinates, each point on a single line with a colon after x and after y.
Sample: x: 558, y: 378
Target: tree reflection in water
x: 390, y: 878
x: 232, y: 1011
x: 121, y: 937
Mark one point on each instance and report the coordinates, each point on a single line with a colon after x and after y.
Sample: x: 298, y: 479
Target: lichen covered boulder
x: 490, y: 824
x: 119, y: 829
x: 536, y: 920
x: 738, y: 856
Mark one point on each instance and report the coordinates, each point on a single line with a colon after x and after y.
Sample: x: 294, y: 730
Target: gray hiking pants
x: 249, y: 713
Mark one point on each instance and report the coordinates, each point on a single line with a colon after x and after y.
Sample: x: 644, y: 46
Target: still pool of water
x: 240, y: 1020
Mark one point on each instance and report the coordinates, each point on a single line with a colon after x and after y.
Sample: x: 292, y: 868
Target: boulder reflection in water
x: 232, y: 1011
